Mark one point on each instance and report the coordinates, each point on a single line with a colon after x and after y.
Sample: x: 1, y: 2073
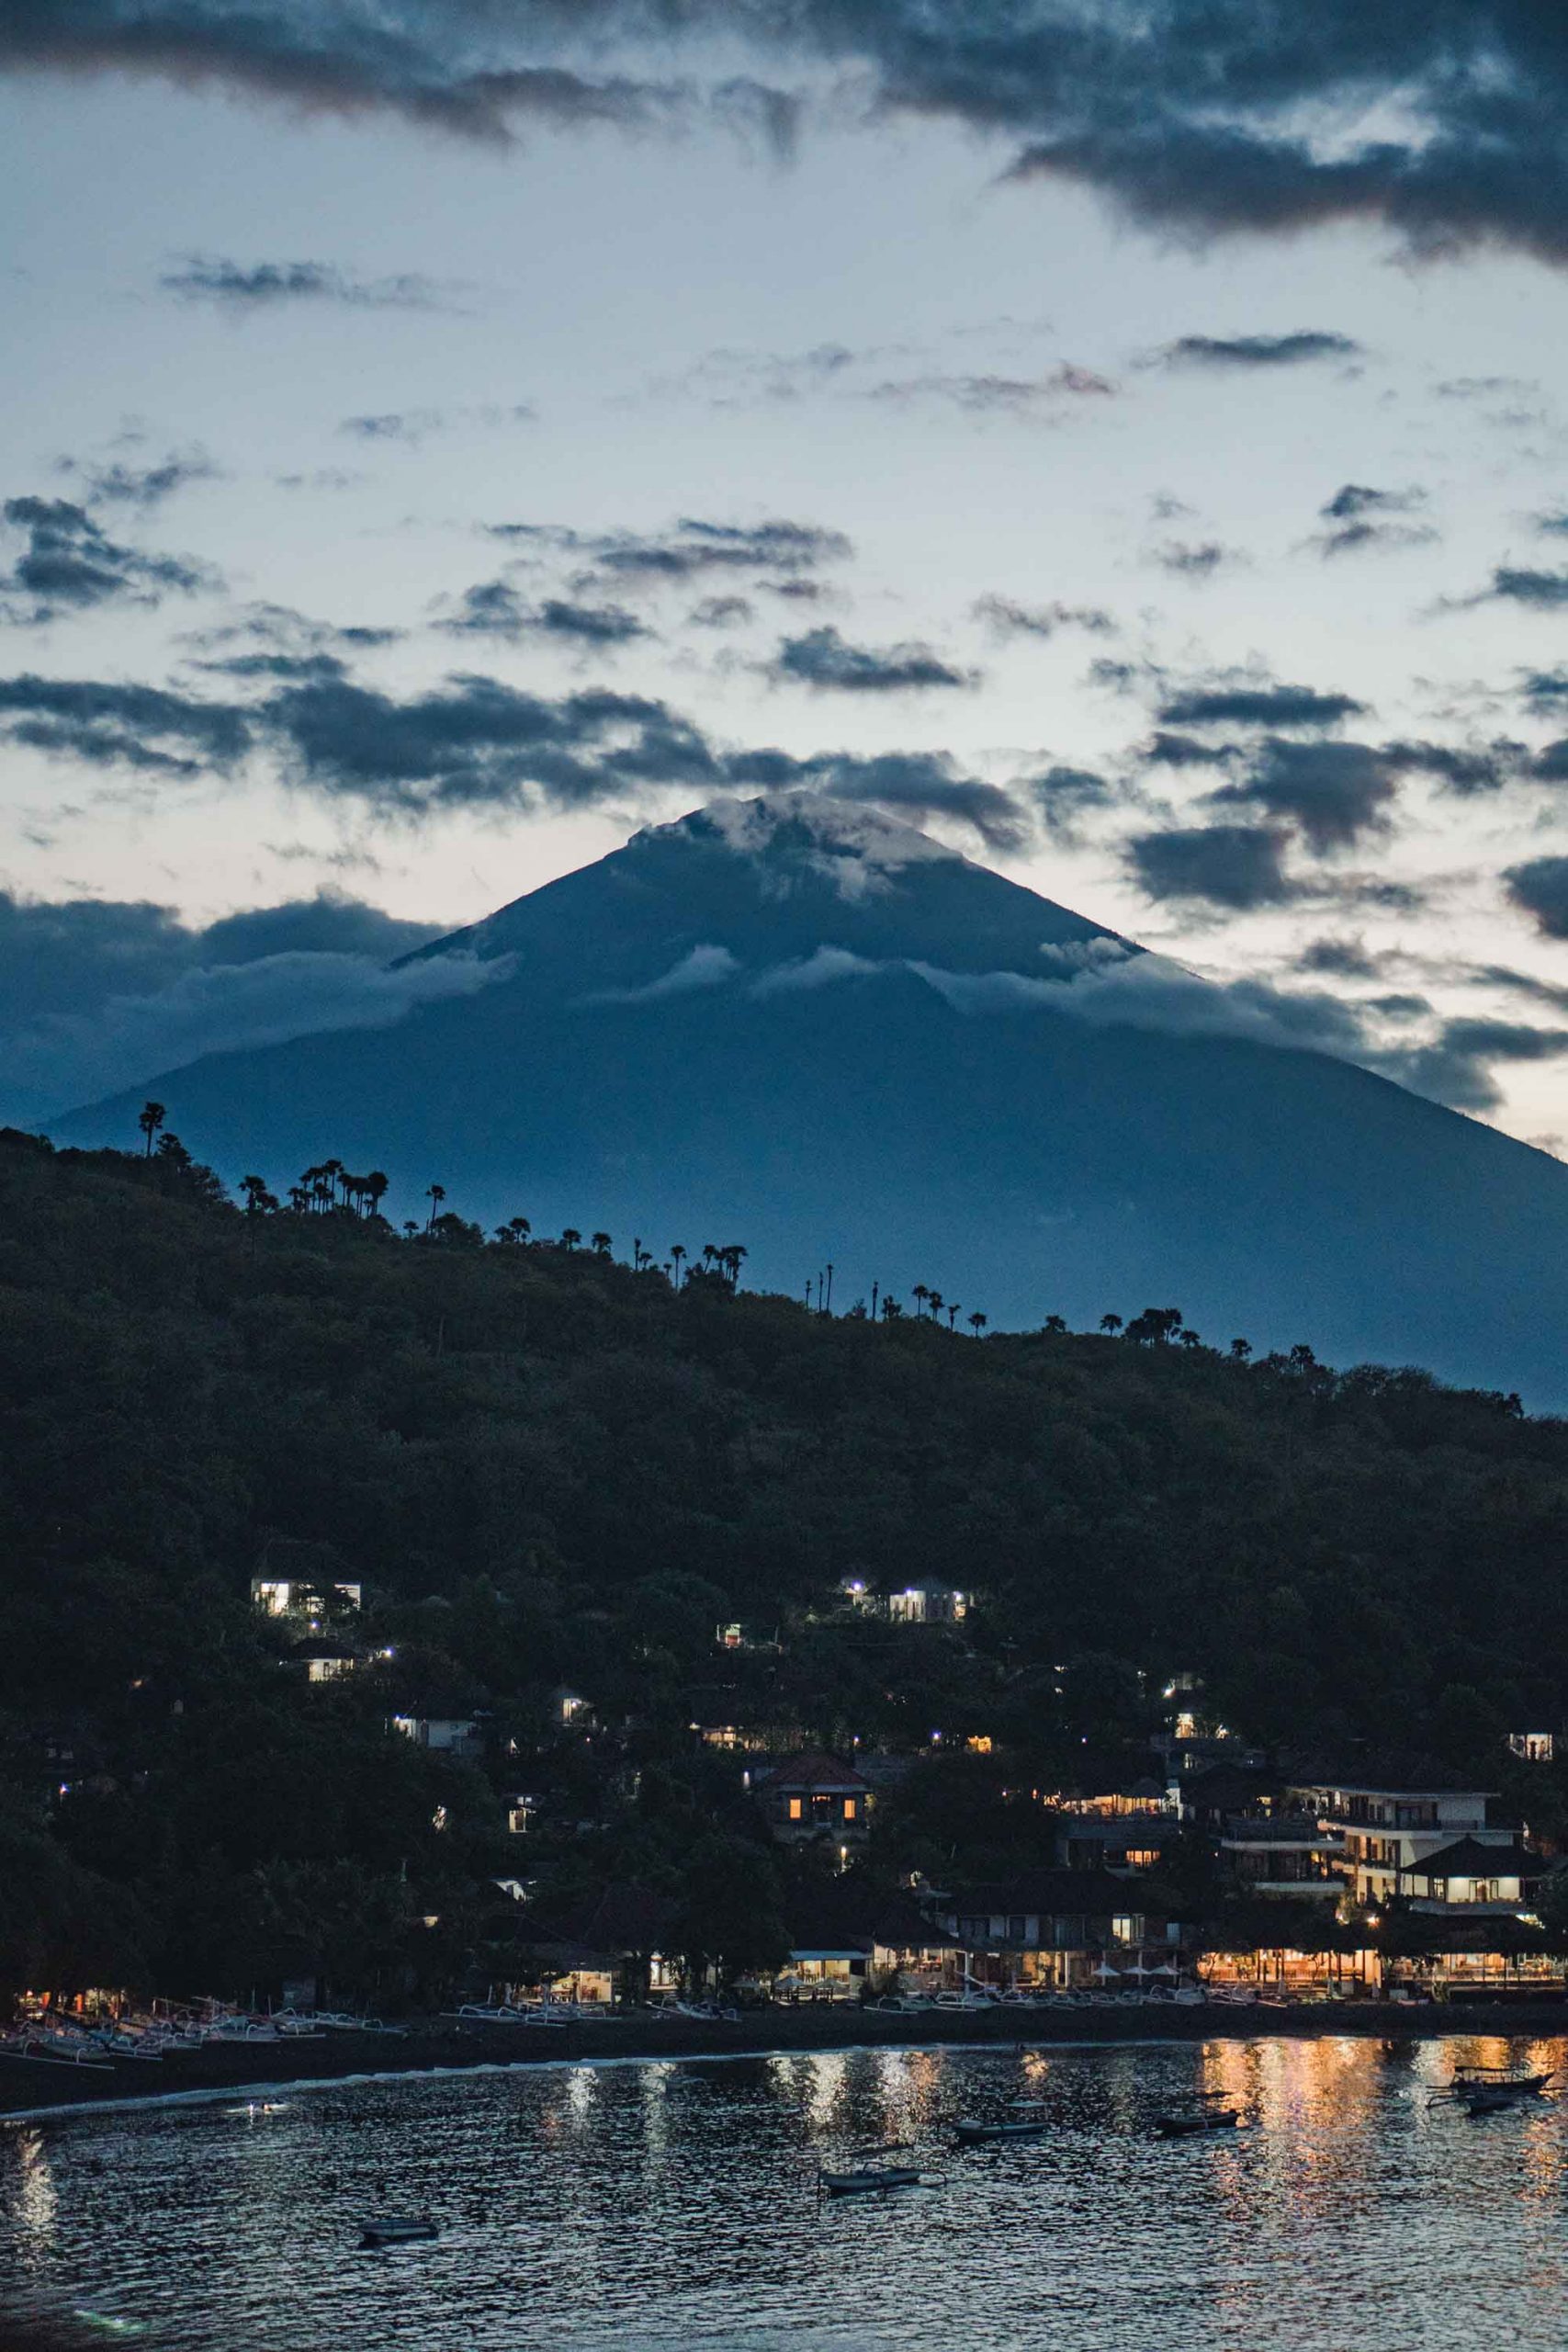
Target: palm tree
x: 1054, y: 1323
x: 977, y: 1323
x: 150, y: 1118
x: 1241, y: 1349
x: 953, y: 1312
x: 677, y: 1253
x: 434, y: 1195
x: 514, y: 1232
x: 891, y: 1310
x: 934, y: 1303
x: 569, y: 1238
x: 733, y: 1256
x: 1111, y: 1323
x: 599, y: 1244
x: 375, y: 1189
x: 920, y: 1294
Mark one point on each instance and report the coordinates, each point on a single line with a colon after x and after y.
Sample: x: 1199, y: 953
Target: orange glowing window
x: 796, y: 1808
x: 849, y: 1808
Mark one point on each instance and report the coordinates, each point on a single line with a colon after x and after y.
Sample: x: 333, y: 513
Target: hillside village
x: 504, y: 1622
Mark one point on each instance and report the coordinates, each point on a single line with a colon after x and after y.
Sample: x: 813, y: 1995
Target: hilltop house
x: 815, y: 1795
x: 929, y: 1602
x: 450, y: 1735
x: 309, y: 1603
x: 1394, y: 1813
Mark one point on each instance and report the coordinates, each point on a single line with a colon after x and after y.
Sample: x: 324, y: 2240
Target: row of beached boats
x: 55, y: 2039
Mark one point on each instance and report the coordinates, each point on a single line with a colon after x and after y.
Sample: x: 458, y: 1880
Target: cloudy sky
x: 441, y: 435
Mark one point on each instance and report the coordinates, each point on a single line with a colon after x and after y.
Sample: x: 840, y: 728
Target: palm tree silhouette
x: 569, y: 1238
x: 953, y: 1312
x: 150, y: 1118
x: 977, y: 1323
x: 1054, y: 1323
x: 677, y: 1253
x: 920, y: 1294
x: 1111, y: 1323
x: 376, y: 1188
x: 435, y: 1194
x: 599, y: 1244
x: 1241, y: 1349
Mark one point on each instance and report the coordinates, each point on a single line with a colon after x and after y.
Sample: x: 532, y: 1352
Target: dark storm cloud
x: 495, y: 608
x: 1361, y: 519
x: 95, y: 993
x: 149, y: 728
x: 1456, y: 1067
x: 475, y: 744
x: 991, y: 394
x: 1540, y: 889
x: 144, y: 486
x: 1336, y: 792
x: 688, y: 551
x: 825, y: 660
x: 1190, y: 560
x: 1005, y: 618
x: 1200, y: 118
x: 1344, y: 959
x: 721, y: 611
x: 68, y: 564
x: 67, y: 956
x: 1065, y: 796
x: 918, y: 783
x: 1546, y: 690
x: 1236, y: 867
x: 1258, y: 705
x: 1243, y: 352
x: 1516, y: 584
x: 1168, y: 751
x: 239, y: 286
x: 411, y: 426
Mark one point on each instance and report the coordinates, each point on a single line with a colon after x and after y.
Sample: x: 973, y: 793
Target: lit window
x: 796, y: 1809
x: 849, y: 1808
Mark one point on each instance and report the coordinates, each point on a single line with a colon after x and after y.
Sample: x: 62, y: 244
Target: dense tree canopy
x: 547, y: 1466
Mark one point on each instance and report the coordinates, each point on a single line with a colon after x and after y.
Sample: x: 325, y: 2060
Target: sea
x: 641, y: 2207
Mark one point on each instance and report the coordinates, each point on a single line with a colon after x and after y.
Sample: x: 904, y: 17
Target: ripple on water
x: 662, y: 2205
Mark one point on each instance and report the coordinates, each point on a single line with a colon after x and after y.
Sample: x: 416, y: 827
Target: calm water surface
x: 661, y: 2205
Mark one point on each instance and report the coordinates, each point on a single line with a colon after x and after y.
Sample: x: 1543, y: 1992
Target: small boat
x: 1204, y: 2115
x: 1496, y: 2082
x: 859, y: 2184
x: 394, y: 2229
x: 970, y: 2134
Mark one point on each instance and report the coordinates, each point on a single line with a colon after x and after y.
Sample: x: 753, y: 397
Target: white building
x: 1394, y: 1818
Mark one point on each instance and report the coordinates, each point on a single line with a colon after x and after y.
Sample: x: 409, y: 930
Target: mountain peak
x: 854, y: 847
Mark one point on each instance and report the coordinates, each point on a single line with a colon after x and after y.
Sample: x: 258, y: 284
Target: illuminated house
x: 312, y: 1604
x: 1471, y: 1880
x: 815, y: 1795
x: 1534, y: 1746
x: 325, y: 1661
x: 1395, y: 1815
x: 929, y: 1603
x: 448, y: 1735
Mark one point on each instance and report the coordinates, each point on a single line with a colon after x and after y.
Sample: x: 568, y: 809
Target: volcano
x: 816, y: 1032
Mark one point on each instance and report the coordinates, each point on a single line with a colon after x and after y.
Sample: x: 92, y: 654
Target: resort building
x: 1279, y: 1853
x: 450, y: 1735
x: 1059, y: 1927
x: 312, y: 1604
x: 1392, y: 1815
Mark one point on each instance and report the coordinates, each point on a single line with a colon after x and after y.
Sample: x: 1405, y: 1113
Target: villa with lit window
x: 312, y: 1605
x: 814, y: 1795
x: 928, y: 1603
x: 1395, y: 1815
x: 1469, y: 1880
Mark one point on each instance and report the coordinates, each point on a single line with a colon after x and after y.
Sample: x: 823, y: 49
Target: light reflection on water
x: 655, y: 2206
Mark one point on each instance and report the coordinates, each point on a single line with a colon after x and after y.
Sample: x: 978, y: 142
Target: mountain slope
x: 820, y: 1033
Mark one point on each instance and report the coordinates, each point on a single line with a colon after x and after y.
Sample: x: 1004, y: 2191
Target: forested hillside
x: 548, y: 1468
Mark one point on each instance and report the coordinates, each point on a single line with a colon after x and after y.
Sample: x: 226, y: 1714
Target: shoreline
x: 33, y: 2090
